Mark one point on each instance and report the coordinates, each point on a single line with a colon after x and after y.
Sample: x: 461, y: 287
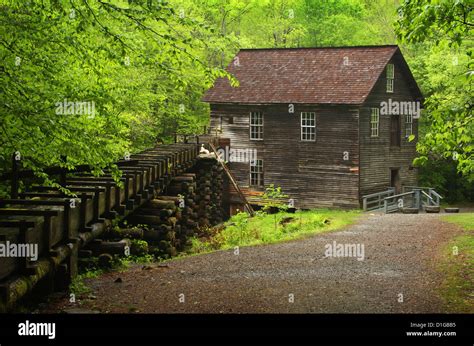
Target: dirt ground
x: 397, y: 275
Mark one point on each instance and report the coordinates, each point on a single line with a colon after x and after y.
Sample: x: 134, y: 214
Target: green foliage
x: 138, y: 63
x: 443, y: 176
x: 122, y: 263
x: 243, y: 230
x: 421, y: 20
x: 139, y: 247
x: 292, y: 23
x: 272, y: 198
x: 146, y: 64
x: 456, y: 266
x: 78, y: 285
x: 445, y: 69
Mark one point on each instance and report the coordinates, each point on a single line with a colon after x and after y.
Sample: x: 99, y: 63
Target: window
x: 390, y: 71
x: 256, y: 173
x: 374, y: 122
x: 390, y: 77
x: 256, y: 125
x: 389, y: 85
x: 308, y: 126
x: 408, y: 125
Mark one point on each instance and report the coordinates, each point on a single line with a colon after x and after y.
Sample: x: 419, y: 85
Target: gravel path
x: 400, y: 256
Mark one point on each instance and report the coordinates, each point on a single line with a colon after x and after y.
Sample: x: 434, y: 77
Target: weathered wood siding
x: 312, y: 173
x: 377, y: 156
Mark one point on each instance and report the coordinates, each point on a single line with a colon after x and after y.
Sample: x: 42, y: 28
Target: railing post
x: 417, y: 199
x: 385, y: 206
x: 436, y: 196
x: 364, y: 204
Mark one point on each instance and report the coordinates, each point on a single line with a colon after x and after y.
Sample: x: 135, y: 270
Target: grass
x: 458, y: 266
x: 465, y: 220
x: 263, y: 228
x: 78, y: 285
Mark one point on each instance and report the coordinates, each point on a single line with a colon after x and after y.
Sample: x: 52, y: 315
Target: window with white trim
x: 308, y: 126
x: 256, y: 173
x: 374, y: 122
x: 408, y: 125
x: 256, y: 125
x: 390, y: 77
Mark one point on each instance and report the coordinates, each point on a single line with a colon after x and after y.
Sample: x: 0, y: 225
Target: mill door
x: 395, y: 179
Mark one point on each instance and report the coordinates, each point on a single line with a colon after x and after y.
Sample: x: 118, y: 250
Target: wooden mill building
x: 328, y: 125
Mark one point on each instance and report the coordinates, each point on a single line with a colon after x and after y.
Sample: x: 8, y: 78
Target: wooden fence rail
x: 61, y: 225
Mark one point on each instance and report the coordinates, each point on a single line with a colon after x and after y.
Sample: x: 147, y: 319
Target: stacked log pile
x: 192, y: 200
x: 184, y: 187
x: 162, y: 219
x: 210, y: 186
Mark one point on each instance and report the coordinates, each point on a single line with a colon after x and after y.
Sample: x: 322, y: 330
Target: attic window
x: 308, y: 126
x: 374, y: 122
x: 390, y: 77
x: 256, y: 125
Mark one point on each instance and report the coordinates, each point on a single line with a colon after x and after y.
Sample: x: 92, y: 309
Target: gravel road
x: 397, y: 274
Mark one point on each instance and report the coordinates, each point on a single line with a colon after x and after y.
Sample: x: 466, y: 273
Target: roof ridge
x: 326, y: 47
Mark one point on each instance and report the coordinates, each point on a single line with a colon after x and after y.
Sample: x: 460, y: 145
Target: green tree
x: 444, y: 24
x: 137, y: 62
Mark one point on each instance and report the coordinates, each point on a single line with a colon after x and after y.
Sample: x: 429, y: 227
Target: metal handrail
x: 400, y: 194
x: 386, y: 199
x: 428, y: 196
x: 423, y: 192
x: 426, y: 191
x: 437, y: 195
x: 378, y: 195
x: 418, y: 193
